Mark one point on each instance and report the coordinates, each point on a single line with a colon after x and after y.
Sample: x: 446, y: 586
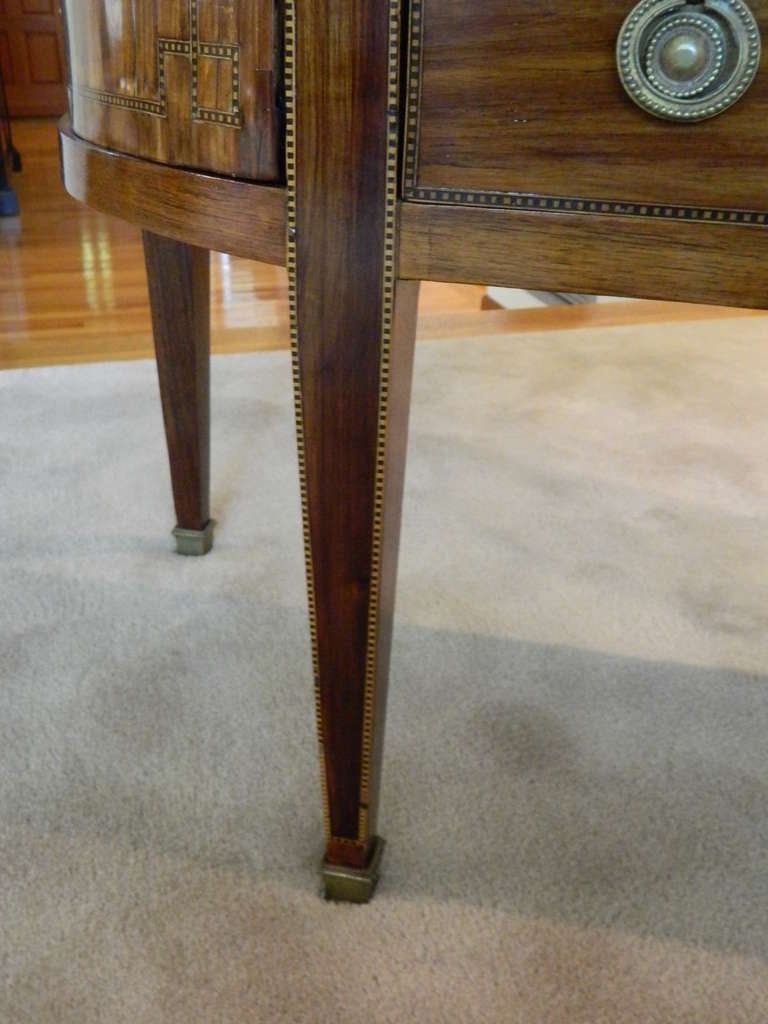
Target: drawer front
x: 513, y: 103
x: 193, y: 83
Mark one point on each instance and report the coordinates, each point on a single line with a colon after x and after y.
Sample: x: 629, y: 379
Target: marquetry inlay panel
x: 187, y: 82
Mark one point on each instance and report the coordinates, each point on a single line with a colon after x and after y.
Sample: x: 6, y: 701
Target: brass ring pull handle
x: 688, y: 61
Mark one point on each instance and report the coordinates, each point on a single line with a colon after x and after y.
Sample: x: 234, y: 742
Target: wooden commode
x: 605, y: 147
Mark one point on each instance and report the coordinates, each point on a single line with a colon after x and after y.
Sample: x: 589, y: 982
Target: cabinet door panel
x: 32, y: 57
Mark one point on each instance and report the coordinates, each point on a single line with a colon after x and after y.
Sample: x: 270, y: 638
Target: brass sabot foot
x: 353, y: 885
x: 194, y: 542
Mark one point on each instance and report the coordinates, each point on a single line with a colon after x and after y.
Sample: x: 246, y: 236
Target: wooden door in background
x: 32, y: 57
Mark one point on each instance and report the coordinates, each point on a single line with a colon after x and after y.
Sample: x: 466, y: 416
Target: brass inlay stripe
x: 223, y: 50
x: 531, y: 202
x: 193, y: 49
x: 413, y: 98
x: 573, y: 204
x: 290, y: 209
x: 129, y: 102
x: 388, y: 308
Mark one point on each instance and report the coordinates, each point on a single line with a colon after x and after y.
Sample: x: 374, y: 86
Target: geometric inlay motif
x: 193, y: 50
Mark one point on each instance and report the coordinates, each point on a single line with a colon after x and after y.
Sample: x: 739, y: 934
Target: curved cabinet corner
x: 224, y: 214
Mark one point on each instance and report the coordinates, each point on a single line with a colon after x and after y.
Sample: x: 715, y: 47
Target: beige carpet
x: 576, y: 781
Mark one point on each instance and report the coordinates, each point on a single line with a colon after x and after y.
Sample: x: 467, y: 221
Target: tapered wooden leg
x: 353, y: 332
x: 179, y: 295
x: 354, y: 398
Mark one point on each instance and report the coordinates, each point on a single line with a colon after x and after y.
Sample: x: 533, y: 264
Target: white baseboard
x: 516, y: 298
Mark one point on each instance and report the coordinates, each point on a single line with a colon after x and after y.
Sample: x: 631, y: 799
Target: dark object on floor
x: 10, y: 160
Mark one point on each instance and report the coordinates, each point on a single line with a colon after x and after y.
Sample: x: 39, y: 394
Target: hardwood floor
x: 72, y: 285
